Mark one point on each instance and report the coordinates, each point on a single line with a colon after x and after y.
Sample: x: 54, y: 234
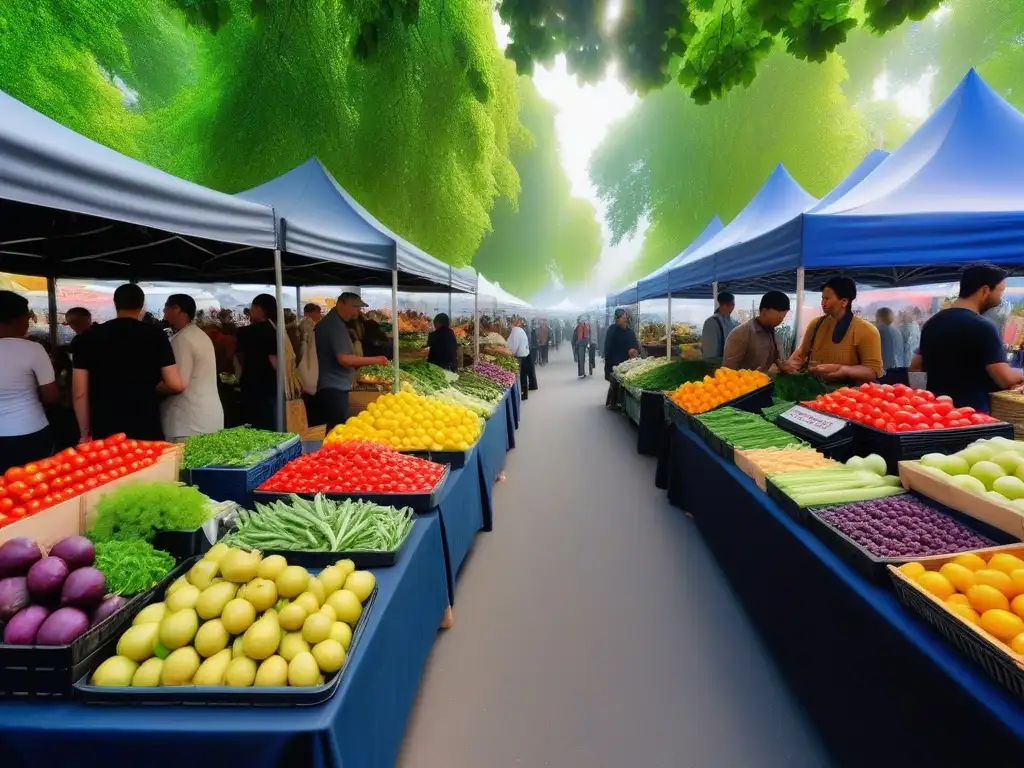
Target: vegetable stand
x: 362, y: 725
x: 860, y: 662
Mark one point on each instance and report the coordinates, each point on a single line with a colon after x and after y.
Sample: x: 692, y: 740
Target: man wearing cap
x: 337, y: 360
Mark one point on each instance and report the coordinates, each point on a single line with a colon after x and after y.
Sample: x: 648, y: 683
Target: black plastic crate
x: 33, y: 671
x: 454, y: 459
x: 895, y: 447
x: 417, y: 502
x: 789, y: 506
x: 631, y: 406
x: 998, y: 665
x: 838, y: 446
x: 363, y: 559
x: 873, y: 567
x: 182, y: 545
x: 218, y: 695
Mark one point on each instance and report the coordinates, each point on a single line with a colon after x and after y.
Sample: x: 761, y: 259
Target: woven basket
x: 1009, y: 407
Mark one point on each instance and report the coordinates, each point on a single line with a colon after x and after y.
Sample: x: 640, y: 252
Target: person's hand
x: 632, y: 353
x: 381, y: 361
x: 85, y: 437
x: 828, y: 371
x: 786, y: 366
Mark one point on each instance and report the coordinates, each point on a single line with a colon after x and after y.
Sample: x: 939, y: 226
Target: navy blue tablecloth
x: 462, y: 515
x: 493, y: 450
x: 511, y: 417
x: 883, y: 687
x: 515, y: 400
x: 362, y: 726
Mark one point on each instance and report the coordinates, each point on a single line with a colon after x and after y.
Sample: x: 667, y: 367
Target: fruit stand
x: 309, y: 678
x: 863, y: 646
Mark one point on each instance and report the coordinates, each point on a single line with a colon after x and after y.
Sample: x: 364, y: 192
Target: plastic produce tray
x: 31, y: 671
x: 875, y: 568
x: 417, y: 502
x: 631, y: 406
x: 895, y: 447
x: 182, y: 544
x: 838, y: 446
x: 234, y: 483
x: 218, y: 695
x: 287, y: 451
x: 454, y: 459
x: 363, y: 559
x: 971, y: 640
x: 789, y: 506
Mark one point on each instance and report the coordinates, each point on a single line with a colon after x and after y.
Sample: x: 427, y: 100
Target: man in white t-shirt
x: 519, y: 345
x: 26, y: 385
x: 197, y: 410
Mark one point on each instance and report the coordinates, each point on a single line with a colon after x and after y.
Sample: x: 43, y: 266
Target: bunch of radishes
x: 55, y: 599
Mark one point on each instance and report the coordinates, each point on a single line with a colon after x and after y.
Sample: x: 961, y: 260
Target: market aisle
x: 592, y: 627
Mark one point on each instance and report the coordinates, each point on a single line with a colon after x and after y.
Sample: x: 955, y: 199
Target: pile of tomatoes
x: 356, y: 467
x: 897, y: 408
x: 72, y: 472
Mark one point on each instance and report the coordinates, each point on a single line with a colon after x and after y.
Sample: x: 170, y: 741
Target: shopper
x: 197, y: 410
x: 891, y: 337
x: 753, y: 346
x: 118, y: 368
x: 910, y: 331
x: 519, y: 345
x: 256, y: 353
x: 839, y: 346
x: 717, y: 329
x: 543, y: 339
x: 27, y: 383
x: 337, y: 361
x: 620, y: 344
x: 442, y: 346
x: 581, y: 345
x: 79, y: 320
x: 311, y: 315
x: 960, y: 350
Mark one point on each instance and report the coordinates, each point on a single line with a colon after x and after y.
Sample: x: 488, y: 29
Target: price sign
x: 820, y: 424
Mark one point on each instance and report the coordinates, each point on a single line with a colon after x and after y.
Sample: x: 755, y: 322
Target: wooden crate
x: 165, y: 469
x: 750, y: 469
x: 1005, y: 518
x: 358, y: 399
x: 49, y: 526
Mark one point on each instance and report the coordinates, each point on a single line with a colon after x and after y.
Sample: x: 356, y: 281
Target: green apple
x: 1010, y: 486
x: 987, y: 472
x: 968, y: 483
x: 1008, y: 460
x: 976, y: 452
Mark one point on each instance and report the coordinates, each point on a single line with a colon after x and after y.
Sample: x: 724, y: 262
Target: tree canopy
x: 409, y: 104
x: 707, y: 46
x: 549, y: 232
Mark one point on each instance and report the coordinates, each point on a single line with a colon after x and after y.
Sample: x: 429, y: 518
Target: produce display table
x: 883, y: 687
x: 646, y: 410
x: 461, y: 511
x: 362, y: 726
x: 493, y: 449
x: 515, y: 400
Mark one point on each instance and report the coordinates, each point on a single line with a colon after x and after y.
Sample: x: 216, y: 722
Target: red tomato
x: 890, y: 427
x: 91, y: 483
x: 954, y: 415
x: 79, y: 488
x: 32, y: 507
x: 6, y: 504
x: 17, y: 488
x: 16, y: 513
x: 78, y: 462
x: 904, y: 426
x: 967, y: 411
x: 14, y: 474
x: 120, y: 437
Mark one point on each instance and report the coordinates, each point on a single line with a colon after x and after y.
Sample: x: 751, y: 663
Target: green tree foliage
x: 420, y: 127
x: 677, y: 164
x: 709, y: 46
x: 549, y: 232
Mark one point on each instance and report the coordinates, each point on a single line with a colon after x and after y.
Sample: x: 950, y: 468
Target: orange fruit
x: 936, y: 583
x: 969, y: 560
x: 985, y: 597
x: 960, y: 577
x: 957, y: 599
x: 1017, y: 605
x: 997, y: 579
x: 1017, y: 644
x: 912, y: 570
x: 964, y: 612
x: 1001, y: 624
x: 1005, y: 562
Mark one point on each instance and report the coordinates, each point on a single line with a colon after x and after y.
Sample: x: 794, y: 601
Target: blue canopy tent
x: 950, y: 195
x: 656, y: 284
x: 320, y: 220
x: 770, y: 260
x: 780, y: 199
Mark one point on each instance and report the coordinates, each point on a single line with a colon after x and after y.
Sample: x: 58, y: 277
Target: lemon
x: 238, y: 616
x: 341, y: 632
x: 308, y: 601
x: 997, y: 579
x: 292, y: 581
x: 958, y: 599
x: 1005, y: 562
x: 148, y: 674
x: 329, y: 655
x: 273, y: 672
x: 964, y: 612
x: 1002, y: 624
x: 1017, y: 644
x: 211, y: 638
x: 292, y: 645
x: 1017, y: 605
x: 115, y: 672
x: 985, y: 597
x: 271, y: 567
x: 303, y: 670
x: 936, y: 583
x: 959, y: 576
x: 151, y: 614
x: 346, y: 605
x: 241, y: 672
x: 317, y: 627
x: 971, y: 561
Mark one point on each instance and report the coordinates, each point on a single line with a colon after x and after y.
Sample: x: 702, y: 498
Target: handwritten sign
x: 820, y: 424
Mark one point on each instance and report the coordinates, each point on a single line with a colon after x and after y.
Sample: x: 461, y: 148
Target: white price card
x: 819, y: 423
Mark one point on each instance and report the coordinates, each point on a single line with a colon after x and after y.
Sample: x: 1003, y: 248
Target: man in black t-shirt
x: 117, y: 368
x: 960, y: 350
x: 257, y: 355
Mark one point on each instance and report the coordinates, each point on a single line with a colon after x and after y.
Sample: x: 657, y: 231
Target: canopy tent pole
x: 714, y: 296
x: 298, y: 303
x: 476, y: 326
x: 449, y: 293
x: 51, y: 308
x: 281, y: 358
x: 394, y: 326
x: 799, y: 307
x: 668, y: 329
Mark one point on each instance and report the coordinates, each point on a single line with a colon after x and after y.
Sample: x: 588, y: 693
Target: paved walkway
x: 593, y: 629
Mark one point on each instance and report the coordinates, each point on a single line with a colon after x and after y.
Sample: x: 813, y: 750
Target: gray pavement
x: 593, y: 628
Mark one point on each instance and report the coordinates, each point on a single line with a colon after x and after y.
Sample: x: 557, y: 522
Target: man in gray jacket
x: 717, y: 329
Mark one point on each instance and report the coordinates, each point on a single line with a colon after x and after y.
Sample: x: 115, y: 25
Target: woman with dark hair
x: 443, y: 347
x: 256, y: 351
x: 839, y: 346
x: 27, y: 384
